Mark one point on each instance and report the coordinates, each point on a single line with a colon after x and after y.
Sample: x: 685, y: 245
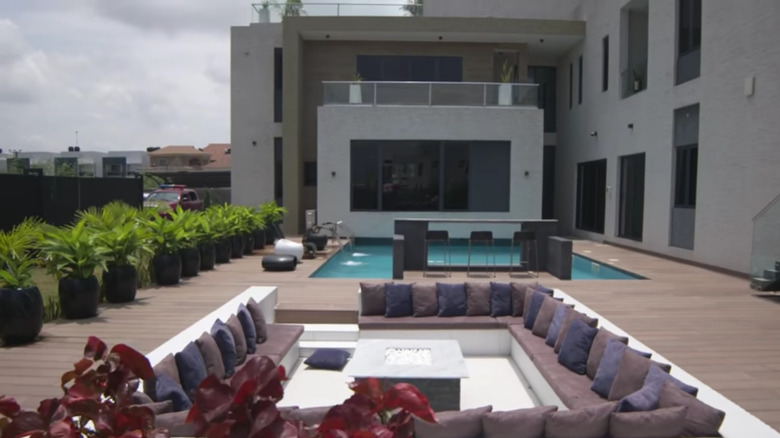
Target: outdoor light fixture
x: 333, y: 173
x: 630, y: 126
x: 594, y: 133
x: 254, y: 143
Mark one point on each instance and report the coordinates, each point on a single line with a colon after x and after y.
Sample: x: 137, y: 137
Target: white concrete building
x: 629, y: 91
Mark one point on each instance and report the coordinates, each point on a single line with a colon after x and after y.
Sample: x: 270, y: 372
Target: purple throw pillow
x: 544, y: 289
x: 248, y: 324
x: 645, y: 399
x: 500, y: 299
x: 398, y: 300
x: 529, y: 317
x: 227, y: 346
x: 452, y: 299
x: 169, y: 389
x: 192, y: 369
x: 328, y: 359
x: 576, y: 346
x: 658, y: 376
x: 608, y: 367
x: 557, y: 323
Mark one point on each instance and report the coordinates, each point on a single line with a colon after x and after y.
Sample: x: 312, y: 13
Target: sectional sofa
x: 570, y: 361
x: 220, y: 343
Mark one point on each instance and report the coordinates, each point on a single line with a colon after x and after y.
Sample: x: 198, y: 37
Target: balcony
x: 275, y: 12
x: 430, y: 94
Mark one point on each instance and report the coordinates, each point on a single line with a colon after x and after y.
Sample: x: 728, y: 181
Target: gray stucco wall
x: 338, y: 125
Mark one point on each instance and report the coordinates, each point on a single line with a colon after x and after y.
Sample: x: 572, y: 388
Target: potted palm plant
x: 264, y: 14
x: 217, y: 218
x: 505, y: 88
x: 249, y: 224
x: 72, y: 254
x: 238, y: 228
x: 355, y: 90
x: 189, y: 253
x: 206, y: 237
x: 167, y: 239
x: 272, y: 217
x: 259, y: 231
x: 21, y: 304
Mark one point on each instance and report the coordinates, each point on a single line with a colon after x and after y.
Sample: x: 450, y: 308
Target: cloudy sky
x: 125, y: 74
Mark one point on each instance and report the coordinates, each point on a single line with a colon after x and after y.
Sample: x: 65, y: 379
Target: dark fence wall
x: 55, y: 199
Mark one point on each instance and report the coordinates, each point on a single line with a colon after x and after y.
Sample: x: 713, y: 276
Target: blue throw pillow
x: 555, y: 326
x: 500, y: 299
x: 576, y: 346
x: 166, y: 388
x: 544, y: 289
x: 192, y: 368
x: 227, y: 346
x: 658, y: 376
x: 608, y: 367
x: 529, y: 315
x: 248, y: 324
x: 398, y: 300
x: 452, y: 299
x: 645, y: 399
x: 328, y: 359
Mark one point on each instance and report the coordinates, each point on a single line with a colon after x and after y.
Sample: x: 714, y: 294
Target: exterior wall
x: 738, y: 150
x: 547, y: 9
x: 339, y: 125
x: 252, y: 127
x: 174, y: 161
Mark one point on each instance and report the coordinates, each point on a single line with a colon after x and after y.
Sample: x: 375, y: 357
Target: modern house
x: 195, y: 167
x: 367, y: 117
x: 118, y: 164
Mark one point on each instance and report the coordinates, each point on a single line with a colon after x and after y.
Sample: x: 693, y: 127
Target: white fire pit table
x: 433, y: 366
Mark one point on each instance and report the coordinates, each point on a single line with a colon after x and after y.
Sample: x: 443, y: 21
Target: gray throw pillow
x: 238, y: 337
x: 570, y: 317
x: 261, y: 328
x: 424, y: 301
x: 372, y: 299
x: 598, y: 347
x: 589, y: 422
x: 212, y: 357
x: 518, y: 296
x: 453, y: 424
x: 701, y: 419
x: 660, y: 423
x: 477, y: 299
x: 545, y: 316
x: 519, y: 423
x: 631, y: 374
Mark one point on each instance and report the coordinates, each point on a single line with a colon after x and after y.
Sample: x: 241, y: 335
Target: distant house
x: 219, y: 156
x: 207, y: 167
x: 178, y: 158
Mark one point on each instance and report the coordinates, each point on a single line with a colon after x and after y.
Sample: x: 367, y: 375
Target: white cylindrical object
x: 288, y: 247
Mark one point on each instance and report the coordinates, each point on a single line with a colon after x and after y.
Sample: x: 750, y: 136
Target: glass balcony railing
x: 429, y: 93
x: 274, y: 12
x: 765, y: 253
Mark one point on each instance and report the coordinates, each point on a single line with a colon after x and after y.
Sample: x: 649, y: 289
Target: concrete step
x: 308, y: 347
x: 330, y: 332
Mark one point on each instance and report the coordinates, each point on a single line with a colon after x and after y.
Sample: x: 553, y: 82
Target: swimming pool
x: 374, y: 259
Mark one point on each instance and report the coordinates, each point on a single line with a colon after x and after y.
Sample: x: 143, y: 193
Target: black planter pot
x: 237, y: 246
x: 249, y: 244
x: 190, y: 262
x: 270, y: 235
x: 79, y: 297
x: 259, y: 236
x: 21, y: 315
x: 119, y: 283
x: 167, y: 269
x: 208, y: 256
x: 222, y: 248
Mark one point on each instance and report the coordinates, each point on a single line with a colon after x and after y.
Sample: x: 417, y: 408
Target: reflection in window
x: 404, y: 187
x: 456, y: 177
x: 364, y: 176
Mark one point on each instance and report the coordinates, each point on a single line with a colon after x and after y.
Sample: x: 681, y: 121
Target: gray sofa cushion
x: 518, y: 296
x: 238, y: 337
x: 631, y: 374
x: 428, y: 323
x: 453, y: 424
x: 532, y: 345
x: 212, y: 357
x: 598, y: 347
x: 660, y: 423
x: 256, y: 311
x: 701, y: 419
x: 555, y: 325
x: 281, y: 337
x: 424, y: 301
x: 589, y: 422
x: 372, y: 298
x: 519, y: 423
x: 573, y: 389
x: 477, y: 299
x: 545, y: 316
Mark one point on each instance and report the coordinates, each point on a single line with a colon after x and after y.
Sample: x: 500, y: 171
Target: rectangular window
x: 278, y: 169
x: 635, y: 43
x: 688, y: 40
x: 430, y: 175
x: 278, y: 85
x: 410, y: 68
x: 545, y: 78
x: 591, y: 195
x: 579, y: 81
x: 310, y: 174
x: 686, y: 158
x: 571, y: 85
x: 605, y: 64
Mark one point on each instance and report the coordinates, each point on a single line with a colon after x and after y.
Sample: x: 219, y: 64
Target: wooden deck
x: 709, y: 323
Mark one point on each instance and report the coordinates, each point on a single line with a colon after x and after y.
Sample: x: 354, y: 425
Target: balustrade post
x: 484, y: 94
x: 374, y: 93
x: 430, y: 93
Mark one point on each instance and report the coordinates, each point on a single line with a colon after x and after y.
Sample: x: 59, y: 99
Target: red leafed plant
x: 246, y: 407
x: 96, y: 401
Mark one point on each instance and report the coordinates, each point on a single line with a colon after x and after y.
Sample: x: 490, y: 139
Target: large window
x: 688, y: 40
x: 605, y: 63
x: 687, y: 159
x: 410, y: 68
x: 591, y: 195
x: 545, y: 78
x: 278, y: 84
x: 430, y: 175
x: 635, y: 43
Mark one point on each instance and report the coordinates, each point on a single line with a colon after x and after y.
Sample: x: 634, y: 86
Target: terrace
x: 705, y: 322
x: 274, y: 12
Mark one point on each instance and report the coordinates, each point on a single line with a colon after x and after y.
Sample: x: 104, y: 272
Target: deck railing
x: 274, y: 12
x: 429, y: 93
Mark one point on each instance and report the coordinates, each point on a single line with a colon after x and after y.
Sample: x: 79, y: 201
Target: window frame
x: 309, y: 178
x: 605, y: 63
x: 686, y: 175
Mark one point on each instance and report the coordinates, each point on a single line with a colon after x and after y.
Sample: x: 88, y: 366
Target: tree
x: 291, y: 8
x: 414, y: 8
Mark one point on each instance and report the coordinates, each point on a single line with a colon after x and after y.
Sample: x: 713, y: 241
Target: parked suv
x: 175, y: 195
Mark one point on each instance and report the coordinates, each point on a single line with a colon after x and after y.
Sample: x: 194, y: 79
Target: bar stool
x: 524, y: 239
x: 441, y: 236
x: 485, y: 237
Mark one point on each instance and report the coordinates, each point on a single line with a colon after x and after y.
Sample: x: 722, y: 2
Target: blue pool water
x: 375, y: 260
